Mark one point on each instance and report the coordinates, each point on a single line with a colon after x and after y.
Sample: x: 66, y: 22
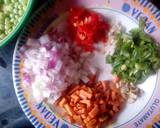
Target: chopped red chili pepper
x: 87, y: 27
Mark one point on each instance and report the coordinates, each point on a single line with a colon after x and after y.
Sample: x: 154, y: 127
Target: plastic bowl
x: 19, y: 25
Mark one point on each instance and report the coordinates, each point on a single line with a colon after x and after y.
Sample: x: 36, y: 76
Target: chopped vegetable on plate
x: 136, y: 55
x: 92, y: 105
x: 50, y: 65
x: 87, y: 27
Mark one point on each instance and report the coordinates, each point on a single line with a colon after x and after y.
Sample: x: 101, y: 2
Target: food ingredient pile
x: 11, y: 12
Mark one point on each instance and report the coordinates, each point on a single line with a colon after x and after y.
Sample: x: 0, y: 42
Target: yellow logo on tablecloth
x: 154, y: 121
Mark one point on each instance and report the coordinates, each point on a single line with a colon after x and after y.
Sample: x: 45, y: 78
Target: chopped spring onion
x: 136, y: 55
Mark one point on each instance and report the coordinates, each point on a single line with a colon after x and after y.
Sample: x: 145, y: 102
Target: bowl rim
x: 19, y: 26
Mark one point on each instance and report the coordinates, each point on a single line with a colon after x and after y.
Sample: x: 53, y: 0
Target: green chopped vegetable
x: 11, y: 12
x: 136, y: 56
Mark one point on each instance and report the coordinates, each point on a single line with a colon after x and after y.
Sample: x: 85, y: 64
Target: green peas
x: 15, y: 10
x: 24, y: 2
x: 8, y: 26
x: 7, y: 1
x: 11, y: 16
x: 14, y: 1
x: 10, y: 7
x: 20, y: 12
x: 24, y: 8
x: 1, y: 15
x: 11, y: 12
x: 9, y: 30
x: 1, y: 27
x: 12, y: 20
x: 16, y: 5
x: 15, y: 22
x: 2, y: 36
x: 20, y: 7
x: 16, y: 17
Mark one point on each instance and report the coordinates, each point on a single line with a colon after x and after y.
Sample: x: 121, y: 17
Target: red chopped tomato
x: 87, y: 27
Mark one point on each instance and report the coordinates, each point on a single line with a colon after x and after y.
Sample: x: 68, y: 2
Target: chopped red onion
x: 55, y: 63
x: 44, y: 39
x: 32, y: 43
